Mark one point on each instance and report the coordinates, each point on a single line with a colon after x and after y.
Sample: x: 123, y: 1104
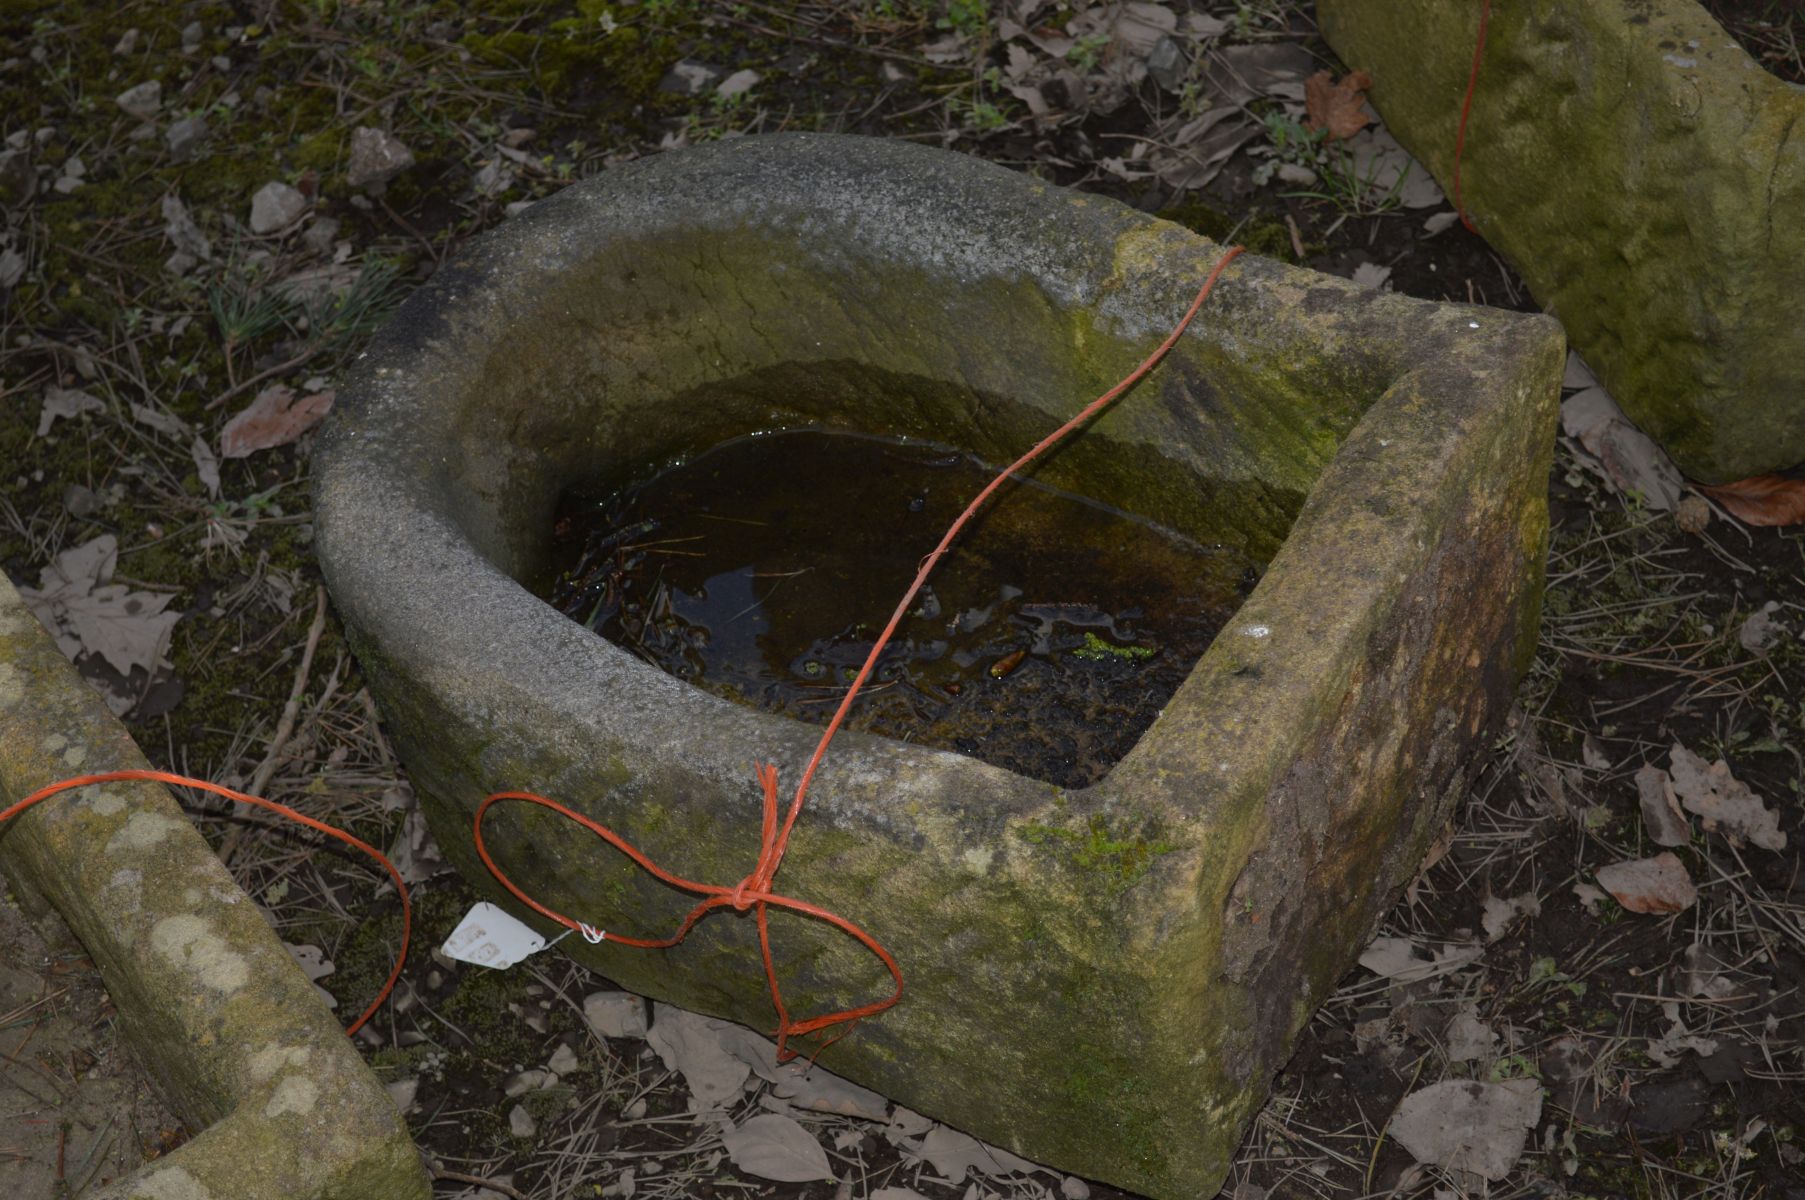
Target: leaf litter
x: 89, y: 615
x: 1650, y: 885
x: 1466, y: 1125
x: 1726, y: 804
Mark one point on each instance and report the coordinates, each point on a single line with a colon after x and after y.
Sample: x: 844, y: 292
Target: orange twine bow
x: 754, y: 891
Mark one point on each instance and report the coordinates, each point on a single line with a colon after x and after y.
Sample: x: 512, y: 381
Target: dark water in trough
x: 1046, y: 641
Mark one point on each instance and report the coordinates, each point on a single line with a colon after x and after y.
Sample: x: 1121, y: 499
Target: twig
x: 285, y: 726
x: 494, y: 1185
x: 246, y: 385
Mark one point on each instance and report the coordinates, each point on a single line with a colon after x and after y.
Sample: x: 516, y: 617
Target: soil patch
x: 76, y: 1110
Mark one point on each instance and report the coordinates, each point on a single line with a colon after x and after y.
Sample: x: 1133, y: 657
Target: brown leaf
x: 274, y: 418
x: 1339, y: 108
x: 1761, y: 499
x: 1725, y: 802
x: 1650, y: 885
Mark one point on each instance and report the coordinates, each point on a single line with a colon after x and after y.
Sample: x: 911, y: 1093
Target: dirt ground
x: 76, y: 1110
x: 147, y: 302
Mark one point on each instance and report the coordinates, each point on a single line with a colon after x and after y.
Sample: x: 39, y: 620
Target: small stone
x: 1693, y: 514
x: 376, y: 158
x: 1074, y: 1188
x: 513, y: 139
x: 12, y: 267
x: 192, y: 34
x: 319, y: 235
x: 563, y: 1061
x: 141, y: 100
x: 184, y: 135
x: 616, y: 1014
x: 1166, y: 63
x: 521, y: 1123
x: 128, y: 42
x: 403, y: 1091
x: 275, y: 207
x: 81, y: 501
x: 221, y: 63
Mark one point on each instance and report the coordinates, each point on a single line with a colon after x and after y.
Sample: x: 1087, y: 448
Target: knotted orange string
x: 754, y: 891
x: 407, y: 918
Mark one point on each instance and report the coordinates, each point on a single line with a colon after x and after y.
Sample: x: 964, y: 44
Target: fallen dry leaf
x: 820, y: 1090
x: 65, y: 402
x: 1661, y: 814
x: 773, y: 1146
x: 697, y: 1048
x: 415, y: 854
x: 1650, y: 885
x: 1626, y: 457
x: 1464, y: 1125
x: 274, y: 418
x: 1761, y: 499
x: 86, y: 614
x: 1500, y: 914
x: 952, y: 1153
x: 1761, y: 631
x: 1469, y: 1038
x: 1725, y: 802
x: 1340, y: 107
x: 1396, y: 958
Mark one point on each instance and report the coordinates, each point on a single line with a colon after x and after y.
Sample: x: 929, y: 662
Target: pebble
x: 616, y: 1014
x: 275, y: 207
x: 128, y: 42
x: 319, y: 235
x: 192, y: 34
x: 1167, y: 64
x: 141, y: 100
x: 376, y: 158
x: 81, y: 501
x: 521, y: 1123
x: 185, y: 135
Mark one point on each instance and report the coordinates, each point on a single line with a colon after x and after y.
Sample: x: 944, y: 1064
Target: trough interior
x: 644, y: 355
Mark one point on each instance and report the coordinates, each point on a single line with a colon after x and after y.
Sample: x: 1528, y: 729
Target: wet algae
x: 1046, y: 642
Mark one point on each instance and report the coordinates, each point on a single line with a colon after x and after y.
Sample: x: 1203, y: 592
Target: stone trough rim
x: 407, y: 554
x: 408, y: 341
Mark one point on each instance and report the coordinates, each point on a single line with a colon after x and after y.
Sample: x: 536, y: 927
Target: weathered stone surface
x: 1102, y: 979
x: 275, y: 207
x: 375, y: 159
x: 1645, y: 175
x: 246, y: 1052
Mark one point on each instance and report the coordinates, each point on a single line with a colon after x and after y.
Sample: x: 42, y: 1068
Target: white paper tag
x: 489, y: 937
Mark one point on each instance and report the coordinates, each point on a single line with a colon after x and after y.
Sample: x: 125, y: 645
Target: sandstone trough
x: 1103, y: 979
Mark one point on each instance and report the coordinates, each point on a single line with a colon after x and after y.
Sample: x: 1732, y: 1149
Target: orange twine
x: 754, y: 891
x: 1466, y: 109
